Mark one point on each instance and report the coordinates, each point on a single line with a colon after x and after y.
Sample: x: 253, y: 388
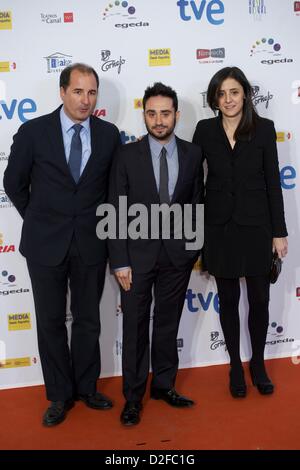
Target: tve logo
x: 288, y: 177
x: 213, y: 9
x: 25, y: 106
x: 198, y: 301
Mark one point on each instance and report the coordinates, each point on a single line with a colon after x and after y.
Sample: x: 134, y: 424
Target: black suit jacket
x: 39, y: 183
x: 132, y: 175
x: 243, y: 184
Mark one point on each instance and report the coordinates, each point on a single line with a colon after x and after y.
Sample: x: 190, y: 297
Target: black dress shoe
x: 171, y: 397
x: 97, y: 401
x: 261, y: 381
x: 57, y: 412
x: 131, y: 413
x: 237, y: 384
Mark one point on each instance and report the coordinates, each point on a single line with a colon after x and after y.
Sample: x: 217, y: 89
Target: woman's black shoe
x: 237, y: 384
x: 261, y: 381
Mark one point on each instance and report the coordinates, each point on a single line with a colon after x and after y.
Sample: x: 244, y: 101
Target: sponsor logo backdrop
x: 131, y: 44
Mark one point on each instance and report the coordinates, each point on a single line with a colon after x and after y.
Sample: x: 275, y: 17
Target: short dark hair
x: 64, y: 79
x: 249, y: 117
x: 159, y: 89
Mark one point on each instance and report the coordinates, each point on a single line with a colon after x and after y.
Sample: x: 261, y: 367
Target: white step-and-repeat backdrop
x: 131, y: 44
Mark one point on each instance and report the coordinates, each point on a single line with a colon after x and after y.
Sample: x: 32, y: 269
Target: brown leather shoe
x: 57, y: 412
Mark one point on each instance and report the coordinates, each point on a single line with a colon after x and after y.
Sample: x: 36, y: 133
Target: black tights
x: 258, y: 288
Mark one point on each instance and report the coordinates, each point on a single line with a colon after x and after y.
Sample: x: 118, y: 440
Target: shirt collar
x: 67, y: 123
x: 156, y: 146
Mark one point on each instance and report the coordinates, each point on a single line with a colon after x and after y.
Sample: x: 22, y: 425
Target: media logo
x: 123, y: 11
x: 99, y: 113
x: 159, y: 57
x: 5, y: 20
x: 4, y: 201
x: 213, y: 10
x: 138, y: 103
x: 57, y: 62
x: 110, y: 64
x: 15, y: 362
x: 19, y: 321
x: 210, y: 56
x: 7, y: 66
x: 283, y: 136
x: 259, y: 98
x: 271, y: 48
x: 54, y: 18
x: 257, y: 8
x: 216, y: 342
x: 297, y: 8
x: 5, y: 248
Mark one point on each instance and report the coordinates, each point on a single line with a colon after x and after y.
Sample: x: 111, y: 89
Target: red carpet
x: 218, y: 421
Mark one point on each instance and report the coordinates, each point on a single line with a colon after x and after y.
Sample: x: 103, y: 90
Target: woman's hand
x: 281, y: 246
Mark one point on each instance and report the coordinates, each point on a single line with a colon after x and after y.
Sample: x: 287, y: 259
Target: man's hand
x: 124, y: 277
x: 281, y: 246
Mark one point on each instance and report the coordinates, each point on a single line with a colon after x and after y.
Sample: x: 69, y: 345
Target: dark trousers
x: 75, y: 370
x: 169, y: 286
x: 258, y: 288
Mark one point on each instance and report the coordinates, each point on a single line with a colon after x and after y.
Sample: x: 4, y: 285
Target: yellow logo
x: 138, y: 103
x: 198, y: 265
x: 5, y: 20
x: 19, y: 321
x: 15, y: 362
x: 7, y: 66
x: 283, y: 136
x: 159, y: 57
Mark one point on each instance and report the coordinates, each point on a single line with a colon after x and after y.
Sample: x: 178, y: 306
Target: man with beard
x: 159, y: 169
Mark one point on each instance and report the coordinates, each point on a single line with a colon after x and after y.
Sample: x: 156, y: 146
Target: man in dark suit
x: 56, y: 177
x: 160, y: 168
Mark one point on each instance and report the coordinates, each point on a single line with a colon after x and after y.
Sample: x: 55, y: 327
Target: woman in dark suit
x: 244, y: 216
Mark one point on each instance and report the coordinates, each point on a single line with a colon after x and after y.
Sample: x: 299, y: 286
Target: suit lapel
x: 147, y: 169
x: 182, y: 165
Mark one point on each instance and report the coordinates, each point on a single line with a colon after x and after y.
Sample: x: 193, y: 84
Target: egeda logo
x: 199, y: 9
x: 268, y: 47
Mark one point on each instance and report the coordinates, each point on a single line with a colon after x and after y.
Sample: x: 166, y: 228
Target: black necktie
x: 75, y: 153
x: 163, y: 178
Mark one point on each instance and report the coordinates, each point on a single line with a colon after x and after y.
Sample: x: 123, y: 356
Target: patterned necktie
x: 163, y: 178
x: 75, y: 153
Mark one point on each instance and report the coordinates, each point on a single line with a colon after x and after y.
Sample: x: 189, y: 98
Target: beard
x: 161, y: 132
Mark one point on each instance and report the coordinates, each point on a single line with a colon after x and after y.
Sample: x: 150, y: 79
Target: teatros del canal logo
x: 109, y: 63
x: 257, y: 8
x: 210, y: 56
x: 5, y: 248
x: 297, y: 8
x: 54, y: 18
x: 124, y: 13
x: 4, y: 201
x: 5, y: 20
x: 270, y: 50
x: 57, y: 62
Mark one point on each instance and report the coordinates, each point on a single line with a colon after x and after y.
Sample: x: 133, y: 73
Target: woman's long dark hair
x: 247, y: 123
